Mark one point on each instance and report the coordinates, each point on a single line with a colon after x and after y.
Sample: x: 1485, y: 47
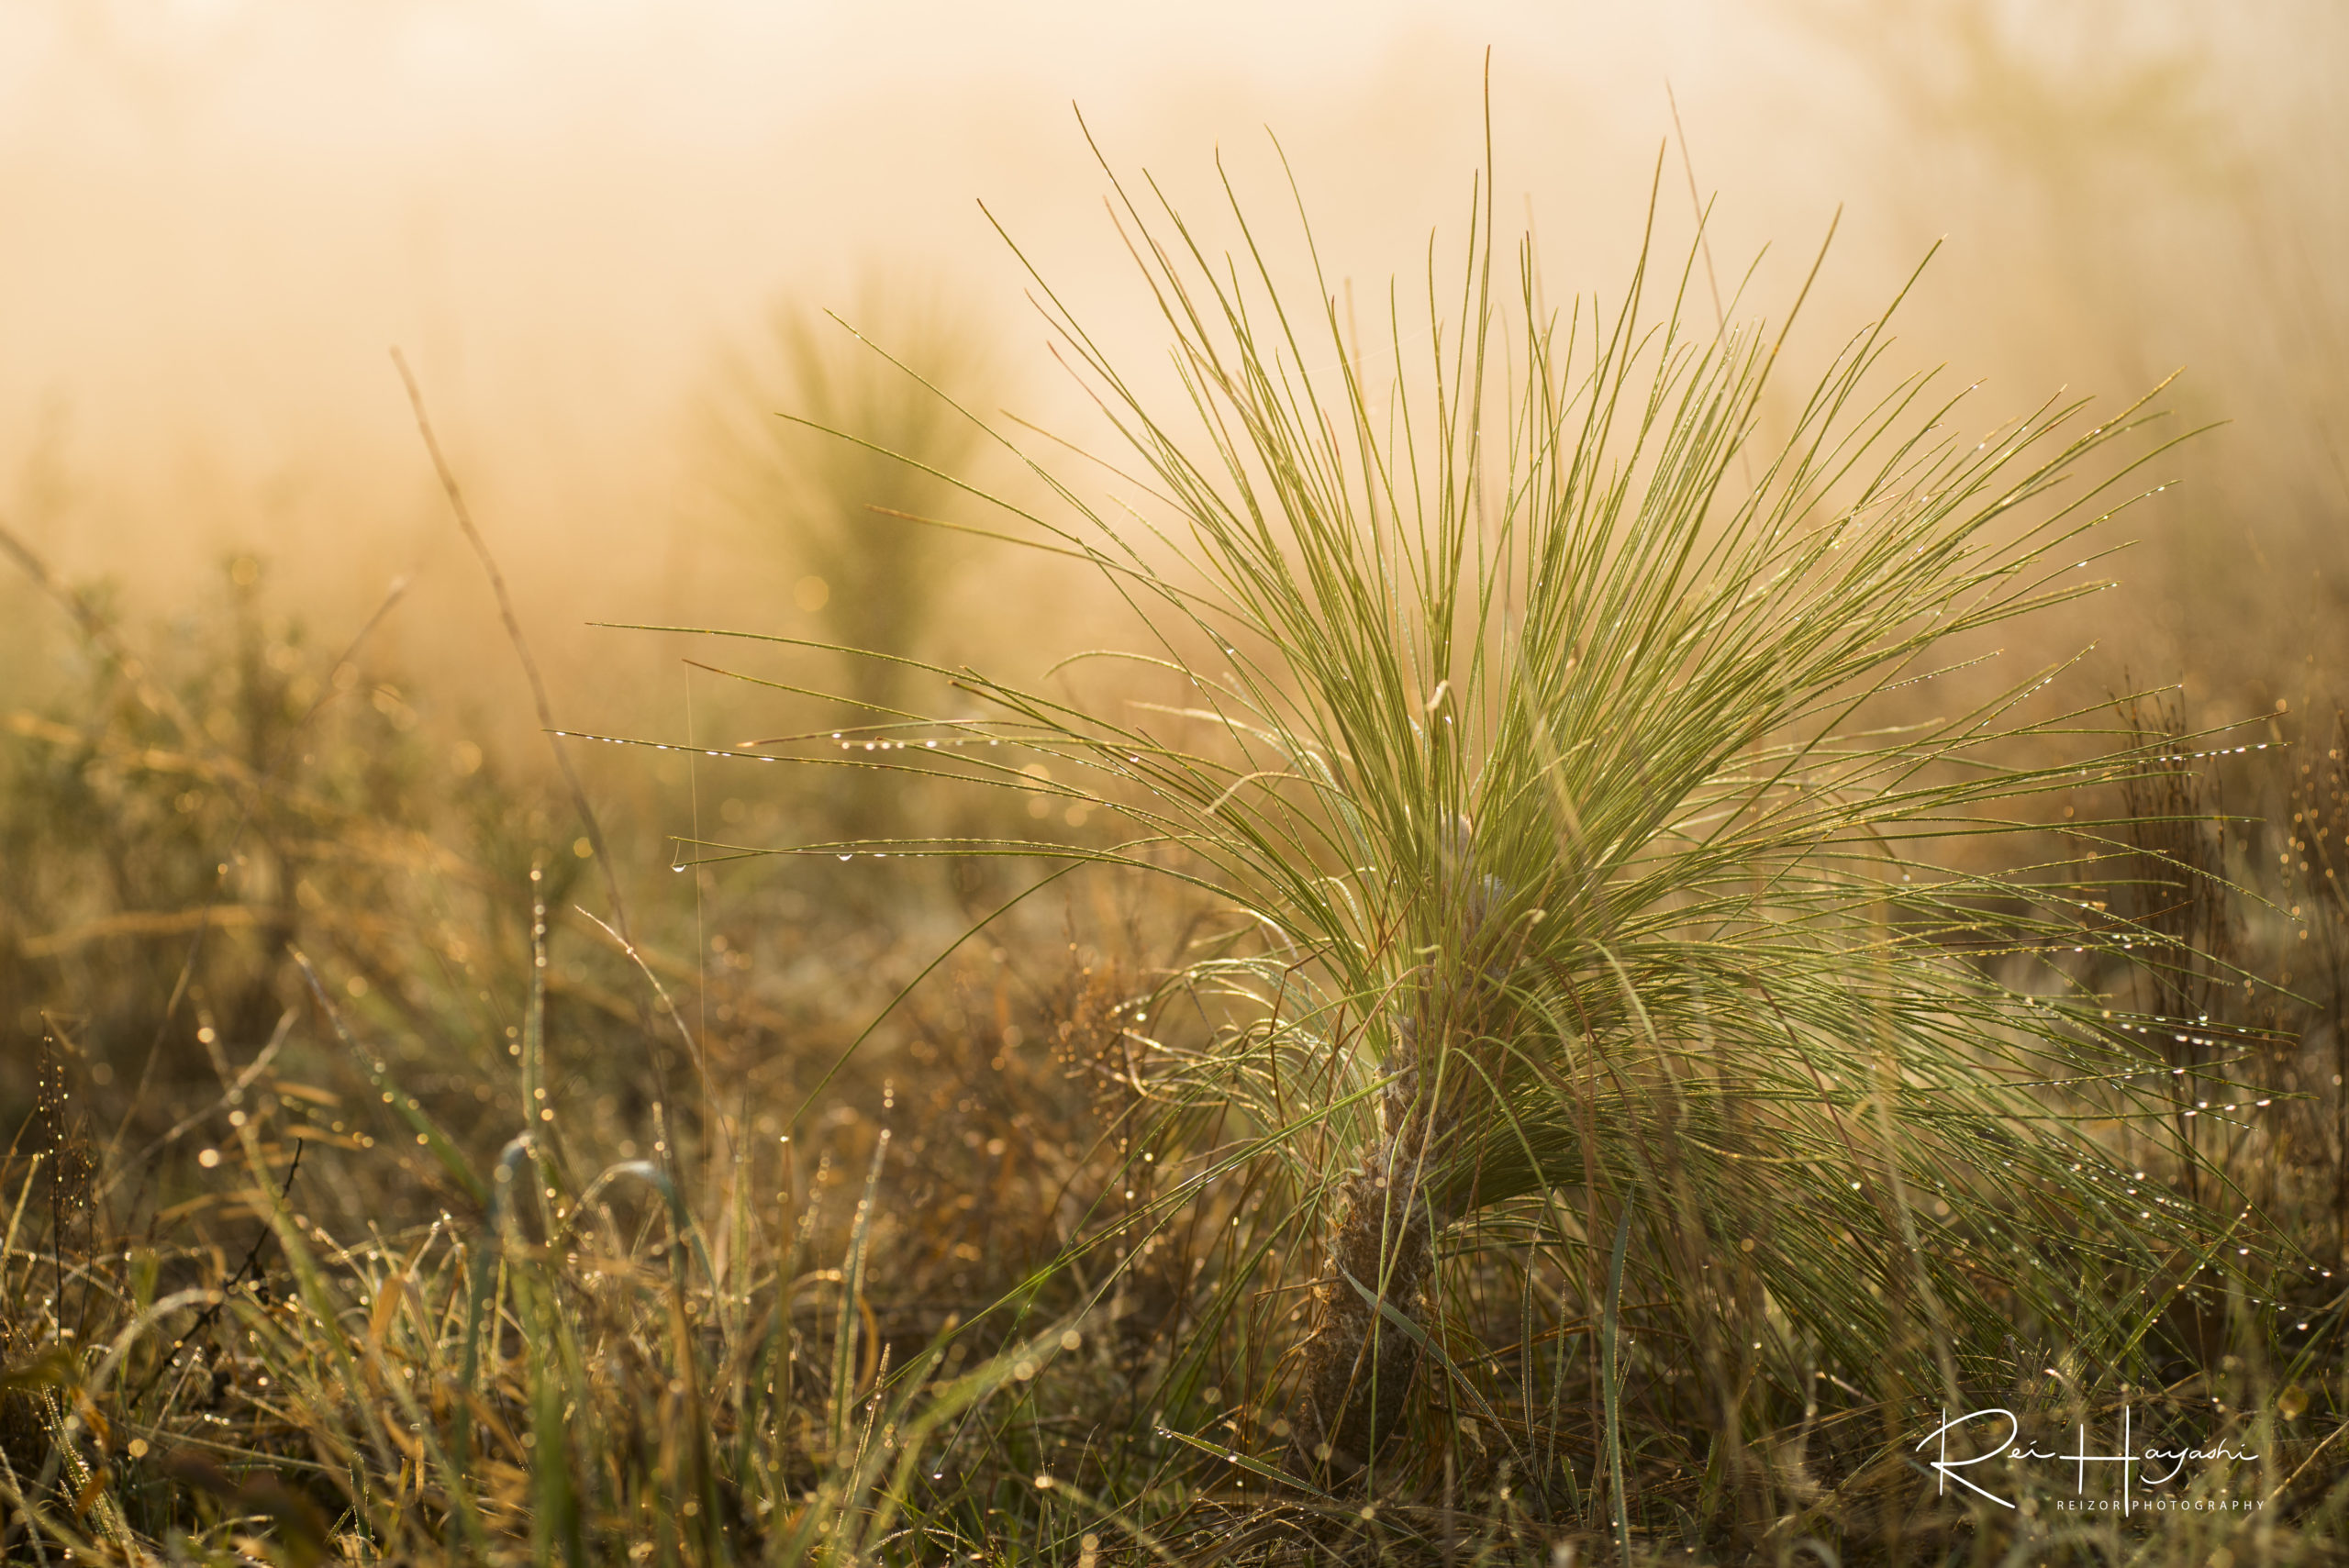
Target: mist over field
x: 221, y: 215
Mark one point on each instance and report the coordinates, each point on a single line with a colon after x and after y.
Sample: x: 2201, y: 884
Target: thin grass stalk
x: 1611, y: 1383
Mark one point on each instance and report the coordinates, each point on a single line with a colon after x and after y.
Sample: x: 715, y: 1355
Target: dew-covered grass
x: 1555, y: 1002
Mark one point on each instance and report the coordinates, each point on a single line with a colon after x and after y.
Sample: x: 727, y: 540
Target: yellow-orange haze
x: 216, y: 216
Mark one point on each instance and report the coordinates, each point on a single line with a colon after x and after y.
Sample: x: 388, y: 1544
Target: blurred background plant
x: 833, y: 432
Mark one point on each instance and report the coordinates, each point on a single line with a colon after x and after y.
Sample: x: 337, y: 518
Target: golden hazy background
x: 579, y: 220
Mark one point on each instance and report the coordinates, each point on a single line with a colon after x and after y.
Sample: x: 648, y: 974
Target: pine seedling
x: 1596, y: 747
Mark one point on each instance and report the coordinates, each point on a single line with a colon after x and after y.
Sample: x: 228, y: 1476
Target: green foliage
x: 1557, y: 733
